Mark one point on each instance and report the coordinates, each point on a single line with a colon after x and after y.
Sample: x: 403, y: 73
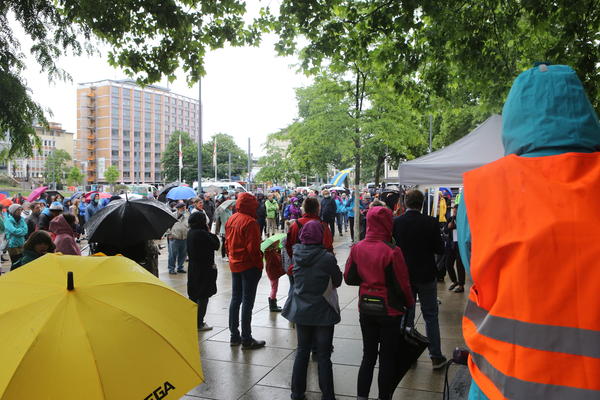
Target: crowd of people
x: 397, y: 261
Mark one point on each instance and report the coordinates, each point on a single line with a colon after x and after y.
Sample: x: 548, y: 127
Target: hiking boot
x: 273, y: 305
x: 438, y: 362
x: 253, y: 344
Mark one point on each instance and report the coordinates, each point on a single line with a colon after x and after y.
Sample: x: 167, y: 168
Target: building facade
x: 53, y: 138
x: 122, y: 124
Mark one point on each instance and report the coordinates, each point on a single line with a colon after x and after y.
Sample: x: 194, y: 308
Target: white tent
x: 446, y: 166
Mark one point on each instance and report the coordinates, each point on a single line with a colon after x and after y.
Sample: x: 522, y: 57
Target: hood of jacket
x: 379, y: 224
x: 247, y: 204
x: 306, y: 255
x: 547, y: 112
x: 59, y: 225
x: 311, y: 233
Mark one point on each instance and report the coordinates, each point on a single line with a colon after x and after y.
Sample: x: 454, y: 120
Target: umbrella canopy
x: 5, y: 193
x: 162, y: 195
x: 127, y: 222
x: 6, y: 202
x: 274, y: 188
x: 212, y: 189
x: 104, y: 195
x: 53, y: 193
x: 181, y: 193
x: 2, y: 196
x: 224, y: 206
x: 94, y: 328
x: 337, y: 188
x: 36, y: 193
x: 88, y: 195
x: 76, y: 196
x: 272, y: 239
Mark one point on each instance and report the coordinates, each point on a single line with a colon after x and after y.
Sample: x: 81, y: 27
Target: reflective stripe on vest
x: 533, y: 318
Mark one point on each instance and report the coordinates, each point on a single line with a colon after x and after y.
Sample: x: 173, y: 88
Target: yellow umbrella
x: 115, y: 332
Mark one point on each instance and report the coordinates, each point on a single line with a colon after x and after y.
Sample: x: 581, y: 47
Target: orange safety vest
x: 532, y: 321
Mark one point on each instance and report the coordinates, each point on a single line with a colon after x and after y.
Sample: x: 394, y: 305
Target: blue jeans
x: 427, y: 293
x: 322, y: 337
x: 243, y: 292
x: 177, y: 253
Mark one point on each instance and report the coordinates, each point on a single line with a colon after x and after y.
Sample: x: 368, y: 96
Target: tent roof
x: 446, y: 166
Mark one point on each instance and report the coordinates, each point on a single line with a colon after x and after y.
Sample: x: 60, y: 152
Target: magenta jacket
x: 65, y: 237
x: 380, y: 265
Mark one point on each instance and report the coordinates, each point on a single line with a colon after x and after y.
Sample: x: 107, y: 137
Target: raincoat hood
x: 312, y: 233
x: 306, y: 255
x: 247, y: 204
x: 59, y: 225
x: 379, y: 224
x: 548, y: 112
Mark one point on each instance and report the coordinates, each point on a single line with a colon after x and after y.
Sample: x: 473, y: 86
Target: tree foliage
x: 225, y: 145
x: 75, y: 176
x: 170, y: 158
x: 55, y: 168
x: 149, y: 39
x: 111, y: 174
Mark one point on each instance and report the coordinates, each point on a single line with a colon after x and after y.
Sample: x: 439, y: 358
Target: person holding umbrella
x: 202, y: 278
x: 177, y: 237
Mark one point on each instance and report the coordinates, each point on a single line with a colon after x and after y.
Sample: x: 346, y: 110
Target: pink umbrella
x: 104, y: 195
x: 36, y: 193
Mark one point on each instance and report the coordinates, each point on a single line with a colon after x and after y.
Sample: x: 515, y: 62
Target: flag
x: 180, y: 154
x: 215, y: 154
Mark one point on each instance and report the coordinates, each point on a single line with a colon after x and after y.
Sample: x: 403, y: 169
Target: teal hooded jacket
x: 546, y: 113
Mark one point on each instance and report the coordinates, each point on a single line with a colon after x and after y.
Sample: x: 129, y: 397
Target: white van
x: 221, y: 185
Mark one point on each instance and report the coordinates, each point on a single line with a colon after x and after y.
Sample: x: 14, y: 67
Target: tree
x: 75, y: 176
x: 277, y: 166
x: 149, y: 39
x: 170, y: 158
x: 55, y: 166
x: 111, y: 175
x: 225, y: 145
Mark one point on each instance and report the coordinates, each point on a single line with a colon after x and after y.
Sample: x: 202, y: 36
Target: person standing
x: 328, y: 211
x: 261, y: 214
x: 93, y: 207
x: 209, y: 209
x: 15, y: 231
x: 176, y: 237
x: 457, y: 275
x: 63, y: 227
x: 313, y: 306
x: 272, y: 208
x: 340, y: 212
x: 311, y: 212
x: 419, y: 238
x: 246, y: 264
x: 33, y: 219
x: 379, y: 269
x: 533, y: 316
x: 198, y: 206
x: 202, y: 278
x: 223, y: 218
x: 49, y: 214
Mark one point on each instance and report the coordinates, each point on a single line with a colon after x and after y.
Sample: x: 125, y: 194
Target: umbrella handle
x: 70, y: 283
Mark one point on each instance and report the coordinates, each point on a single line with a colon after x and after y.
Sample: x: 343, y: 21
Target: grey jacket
x: 180, y: 229
x: 309, y: 301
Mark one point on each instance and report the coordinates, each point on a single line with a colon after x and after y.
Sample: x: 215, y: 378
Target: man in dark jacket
x: 48, y: 215
x: 209, y: 209
x: 261, y: 213
x: 328, y: 211
x: 419, y: 238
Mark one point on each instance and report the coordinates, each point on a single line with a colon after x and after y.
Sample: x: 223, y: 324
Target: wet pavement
x: 231, y: 373
x: 262, y: 374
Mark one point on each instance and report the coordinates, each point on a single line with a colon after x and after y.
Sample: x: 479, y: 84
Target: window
x: 157, y: 157
x: 147, y: 135
x: 114, y: 110
x: 126, y: 103
x: 147, y: 146
x: 126, y: 165
x: 126, y: 134
x: 147, y: 174
x: 137, y: 95
x: 157, y: 130
x: 126, y: 123
x: 126, y: 155
x: 114, y: 91
x: 147, y: 165
x: 136, y: 135
x: 115, y: 122
x: 126, y: 144
x: 126, y: 113
x: 114, y: 100
x: 114, y: 153
x: 147, y: 126
x: 126, y: 173
x: 115, y: 133
x: 147, y: 155
x: 126, y: 94
x: 115, y: 163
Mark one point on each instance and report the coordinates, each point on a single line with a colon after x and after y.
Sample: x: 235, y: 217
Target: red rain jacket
x: 242, y: 235
x: 374, y: 256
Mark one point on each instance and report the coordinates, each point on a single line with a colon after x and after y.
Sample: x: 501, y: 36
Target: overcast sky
x: 247, y: 92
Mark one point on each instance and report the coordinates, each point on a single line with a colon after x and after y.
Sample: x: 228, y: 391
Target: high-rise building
x: 122, y: 124
x: 53, y: 138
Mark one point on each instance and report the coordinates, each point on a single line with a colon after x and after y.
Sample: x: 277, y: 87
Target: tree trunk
x: 380, y: 160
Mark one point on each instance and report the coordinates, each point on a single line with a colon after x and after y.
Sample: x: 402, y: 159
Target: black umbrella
x: 162, y: 195
x: 126, y: 222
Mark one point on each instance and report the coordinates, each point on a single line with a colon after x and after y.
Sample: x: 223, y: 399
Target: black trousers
x: 456, y: 275
x: 202, y: 306
x: 351, y: 223
x: 380, y: 337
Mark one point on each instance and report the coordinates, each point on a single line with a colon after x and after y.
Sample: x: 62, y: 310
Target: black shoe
x: 438, y: 362
x: 205, y: 327
x: 172, y: 273
x: 235, y: 342
x: 181, y: 271
x: 273, y: 305
x: 253, y: 344
x: 453, y: 286
x: 459, y: 289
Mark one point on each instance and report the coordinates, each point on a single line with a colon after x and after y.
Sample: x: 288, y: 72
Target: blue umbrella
x: 76, y: 196
x: 274, y: 188
x: 181, y: 193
